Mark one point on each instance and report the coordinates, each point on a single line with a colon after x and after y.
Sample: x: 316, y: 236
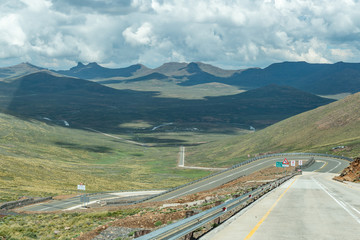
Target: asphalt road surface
x: 323, y: 164
x: 311, y: 206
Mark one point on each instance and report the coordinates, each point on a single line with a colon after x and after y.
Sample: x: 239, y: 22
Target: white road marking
x: 335, y: 166
x: 342, y: 204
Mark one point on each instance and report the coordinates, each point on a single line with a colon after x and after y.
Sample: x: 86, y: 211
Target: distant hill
x: 216, y: 71
x: 85, y: 103
x: 94, y: 70
x: 318, y: 130
x: 322, y: 79
x: 180, y: 69
x: 315, y: 78
x: 181, y: 73
x: 18, y: 70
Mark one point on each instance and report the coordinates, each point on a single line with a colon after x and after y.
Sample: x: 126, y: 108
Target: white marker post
x: 300, y: 163
x: 83, y: 198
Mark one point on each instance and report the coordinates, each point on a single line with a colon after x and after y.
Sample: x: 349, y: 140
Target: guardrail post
x: 141, y: 233
x: 190, y: 213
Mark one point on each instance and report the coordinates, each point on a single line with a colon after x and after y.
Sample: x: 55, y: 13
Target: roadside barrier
x: 213, y: 215
x: 24, y: 202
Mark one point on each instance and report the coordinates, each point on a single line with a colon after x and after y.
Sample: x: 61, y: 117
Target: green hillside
x: 37, y: 159
x: 318, y: 130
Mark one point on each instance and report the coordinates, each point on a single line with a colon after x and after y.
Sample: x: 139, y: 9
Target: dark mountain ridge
x: 94, y: 70
x: 89, y: 104
x: 316, y: 78
x: 322, y: 79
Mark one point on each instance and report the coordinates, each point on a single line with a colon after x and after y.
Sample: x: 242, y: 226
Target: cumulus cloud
x: 237, y: 33
x: 139, y: 36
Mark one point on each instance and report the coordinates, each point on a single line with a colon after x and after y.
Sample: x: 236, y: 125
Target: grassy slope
x: 168, y: 89
x: 317, y: 130
x: 37, y: 159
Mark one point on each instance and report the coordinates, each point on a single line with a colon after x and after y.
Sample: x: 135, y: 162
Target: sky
x: 232, y: 34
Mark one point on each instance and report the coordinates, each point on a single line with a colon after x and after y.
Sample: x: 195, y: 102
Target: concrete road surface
x: 311, y: 206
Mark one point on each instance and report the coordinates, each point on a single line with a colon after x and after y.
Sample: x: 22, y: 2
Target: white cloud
x: 233, y: 33
x: 37, y: 5
x: 139, y: 36
x: 344, y: 54
x: 11, y: 31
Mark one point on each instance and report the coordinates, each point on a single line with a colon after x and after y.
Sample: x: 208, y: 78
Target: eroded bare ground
x: 351, y: 173
x: 158, y: 214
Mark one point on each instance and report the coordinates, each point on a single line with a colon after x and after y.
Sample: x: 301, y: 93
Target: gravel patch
x: 113, y: 233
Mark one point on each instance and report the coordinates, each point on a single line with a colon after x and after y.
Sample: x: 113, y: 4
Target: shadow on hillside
x: 96, y: 149
x: 86, y: 104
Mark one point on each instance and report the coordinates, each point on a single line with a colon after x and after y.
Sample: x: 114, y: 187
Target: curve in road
x: 323, y: 164
x: 332, y: 164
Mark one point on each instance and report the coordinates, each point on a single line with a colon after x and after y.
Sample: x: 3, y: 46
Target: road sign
x: 81, y: 187
x: 300, y: 162
x: 279, y: 164
x: 293, y: 163
x: 285, y: 161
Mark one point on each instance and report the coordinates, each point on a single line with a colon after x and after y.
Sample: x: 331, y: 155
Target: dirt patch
x: 351, y: 173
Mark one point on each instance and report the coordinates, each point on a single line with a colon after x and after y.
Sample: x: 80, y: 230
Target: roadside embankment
x: 351, y: 173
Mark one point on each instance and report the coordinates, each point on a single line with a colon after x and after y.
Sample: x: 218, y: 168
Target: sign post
x: 285, y: 164
x: 83, y: 198
x: 300, y: 163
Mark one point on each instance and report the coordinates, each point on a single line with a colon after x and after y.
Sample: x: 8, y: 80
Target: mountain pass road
x: 323, y: 164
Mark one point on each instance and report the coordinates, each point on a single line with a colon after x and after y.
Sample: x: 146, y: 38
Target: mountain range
x: 83, y: 96
x: 84, y: 103
x: 322, y: 79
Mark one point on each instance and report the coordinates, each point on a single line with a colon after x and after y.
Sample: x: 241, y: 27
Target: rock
x: 351, y: 173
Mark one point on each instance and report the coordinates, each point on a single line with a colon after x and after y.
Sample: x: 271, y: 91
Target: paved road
x: 74, y: 203
x: 323, y: 164
x: 311, y: 206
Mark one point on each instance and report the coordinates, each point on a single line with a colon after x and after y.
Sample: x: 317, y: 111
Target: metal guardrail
x: 310, y: 162
x: 191, y: 224
x: 244, y: 163
x: 22, y: 203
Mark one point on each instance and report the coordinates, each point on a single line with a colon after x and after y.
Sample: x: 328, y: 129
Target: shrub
x: 158, y: 223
